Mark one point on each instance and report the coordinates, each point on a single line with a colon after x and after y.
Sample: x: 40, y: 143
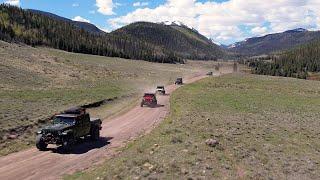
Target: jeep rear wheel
x: 95, y: 134
x: 154, y: 104
x: 40, y: 144
x: 68, y: 144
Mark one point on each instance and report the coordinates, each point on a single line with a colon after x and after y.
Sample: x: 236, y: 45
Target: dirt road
x: 52, y: 164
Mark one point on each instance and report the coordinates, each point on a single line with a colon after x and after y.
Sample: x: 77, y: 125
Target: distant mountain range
x: 179, y: 38
x: 160, y: 42
x: 167, y: 43
x: 274, y: 42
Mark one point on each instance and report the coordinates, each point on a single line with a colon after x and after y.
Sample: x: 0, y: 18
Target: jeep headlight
x: 64, y: 133
x: 39, y: 132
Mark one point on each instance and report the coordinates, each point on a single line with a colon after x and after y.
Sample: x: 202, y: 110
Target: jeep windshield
x: 64, y: 120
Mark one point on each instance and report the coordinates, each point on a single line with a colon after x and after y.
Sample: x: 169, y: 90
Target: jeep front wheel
x: 40, y: 144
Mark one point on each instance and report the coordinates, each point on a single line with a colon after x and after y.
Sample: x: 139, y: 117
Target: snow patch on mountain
x: 176, y: 23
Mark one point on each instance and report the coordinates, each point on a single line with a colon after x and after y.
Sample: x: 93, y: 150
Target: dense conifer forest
x: 298, y: 62
x: 185, y: 42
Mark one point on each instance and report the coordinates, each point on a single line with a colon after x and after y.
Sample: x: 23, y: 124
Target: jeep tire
x: 154, y: 104
x: 68, y: 143
x: 95, y: 134
x: 40, y: 144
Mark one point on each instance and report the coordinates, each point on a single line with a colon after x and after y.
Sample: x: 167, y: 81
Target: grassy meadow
x: 266, y: 128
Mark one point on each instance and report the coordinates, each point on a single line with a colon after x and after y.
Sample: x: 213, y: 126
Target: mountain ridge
x: 271, y: 43
x: 83, y: 25
x: 173, y: 24
x: 184, y: 41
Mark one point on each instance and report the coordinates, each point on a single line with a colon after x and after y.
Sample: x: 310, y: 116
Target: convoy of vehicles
x: 71, y: 125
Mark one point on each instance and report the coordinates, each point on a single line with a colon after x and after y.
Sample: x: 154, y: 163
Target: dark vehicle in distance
x: 209, y: 73
x: 149, y: 99
x: 161, y: 90
x: 178, y: 81
x: 67, y: 128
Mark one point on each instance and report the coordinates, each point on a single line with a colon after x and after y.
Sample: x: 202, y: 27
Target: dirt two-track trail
x: 52, y: 164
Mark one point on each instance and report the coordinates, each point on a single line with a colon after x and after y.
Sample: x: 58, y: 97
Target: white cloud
x: 259, y: 30
x: 140, y: 4
x: 118, y: 4
x: 13, y: 2
x: 224, y: 22
x: 80, y: 19
x: 75, y: 5
x: 105, y: 7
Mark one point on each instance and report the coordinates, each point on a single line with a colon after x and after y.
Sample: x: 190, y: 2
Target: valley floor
x: 116, y: 132
x: 36, y: 83
x: 266, y: 128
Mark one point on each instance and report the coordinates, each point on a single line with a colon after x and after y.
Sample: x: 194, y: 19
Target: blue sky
x: 224, y: 21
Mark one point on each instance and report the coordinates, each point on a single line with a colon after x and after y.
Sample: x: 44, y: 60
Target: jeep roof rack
x: 75, y: 110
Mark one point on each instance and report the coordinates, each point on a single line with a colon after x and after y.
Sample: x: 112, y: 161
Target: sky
x: 223, y: 21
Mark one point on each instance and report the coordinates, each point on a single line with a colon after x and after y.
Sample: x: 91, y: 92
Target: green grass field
x: 267, y: 128
x: 35, y: 83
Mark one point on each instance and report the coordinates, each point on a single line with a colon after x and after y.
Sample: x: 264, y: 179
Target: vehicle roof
x: 75, y: 110
x: 149, y: 94
x: 160, y: 86
x: 68, y: 115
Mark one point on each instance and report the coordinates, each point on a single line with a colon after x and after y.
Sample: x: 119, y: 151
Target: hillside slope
x: 299, y: 62
x: 275, y: 42
x: 82, y: 25
x: 179, y: 39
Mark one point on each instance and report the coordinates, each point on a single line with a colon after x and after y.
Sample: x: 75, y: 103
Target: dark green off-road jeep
x: 178, y: 81
x: 67, y: 128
